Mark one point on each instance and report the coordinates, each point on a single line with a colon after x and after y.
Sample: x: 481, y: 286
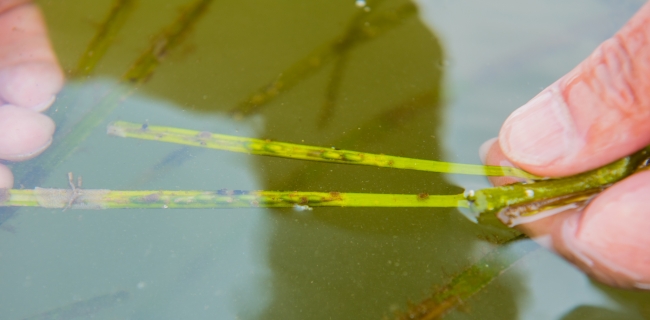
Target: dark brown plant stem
x: 361, y: 30
x: 470, y: 281
x: 104, y: 37
x: 332, y: 90
x: 167, y: 40
x: 378, y: 127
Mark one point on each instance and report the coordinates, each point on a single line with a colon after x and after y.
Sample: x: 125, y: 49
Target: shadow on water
x: 366, y: 263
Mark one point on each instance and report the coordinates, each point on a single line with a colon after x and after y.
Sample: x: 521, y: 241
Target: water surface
x: 434, y: 85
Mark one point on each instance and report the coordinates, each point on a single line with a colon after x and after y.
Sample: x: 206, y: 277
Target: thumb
x: 597, y: 113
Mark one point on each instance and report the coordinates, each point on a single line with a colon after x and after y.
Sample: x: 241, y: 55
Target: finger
x: 608, y: 239
x: 6, y: 5
x: 24, y: 133
x: 597, y: 113
x: 6, y: 178
x: 30, y: 75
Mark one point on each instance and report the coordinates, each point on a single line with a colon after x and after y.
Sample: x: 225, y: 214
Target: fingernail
x: 492, y: 156
x: 26, y: 155
x: 44, y: 105
x: 641, y: 285
x: 495, y: 157
x: 545, y: 241
x: 6, y: 178
x: 540, y: 132
x: 484, y: 148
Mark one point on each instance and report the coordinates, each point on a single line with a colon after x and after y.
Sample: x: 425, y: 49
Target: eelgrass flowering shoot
x: 513, y: 204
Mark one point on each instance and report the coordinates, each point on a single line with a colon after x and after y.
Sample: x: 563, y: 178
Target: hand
x: 597, y: 113
x: 30, y: 76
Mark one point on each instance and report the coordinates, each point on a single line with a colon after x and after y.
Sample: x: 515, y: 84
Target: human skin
x: 30, y: 77
x: 597, y: 113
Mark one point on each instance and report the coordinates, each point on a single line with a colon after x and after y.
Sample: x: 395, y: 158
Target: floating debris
x: 301, y: 208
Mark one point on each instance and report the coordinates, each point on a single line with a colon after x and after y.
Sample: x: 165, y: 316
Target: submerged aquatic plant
x: 363, y: 26
x: 464, y: 285
x: 65, y: 142
x: 515, y: 201
x: 513, y: 204
x: 84, y: 308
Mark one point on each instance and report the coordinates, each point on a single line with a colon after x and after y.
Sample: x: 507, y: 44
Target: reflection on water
x: 385, y: 93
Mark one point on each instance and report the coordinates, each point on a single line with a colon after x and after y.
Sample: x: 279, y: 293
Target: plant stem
x: 103, y: 39
x: 31, y: 173
x: 168, y: 39
x: 196, y: 199
x: 469, y: 282
x: 359, y: 31
x: 332, y: 90
x: 378, y: 127
x: 519, y: 202
x: 297, y: 151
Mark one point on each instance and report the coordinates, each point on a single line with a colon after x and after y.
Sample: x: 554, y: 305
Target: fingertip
x: 44, y: 105
x: 24, y: 133
x: 29, y: 72
x: 485, y: 148
x: 31, y: 84
x: 6, y: 177
x: 491, y: 154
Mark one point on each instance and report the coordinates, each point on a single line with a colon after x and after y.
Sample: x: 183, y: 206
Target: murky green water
x: 484, y: 59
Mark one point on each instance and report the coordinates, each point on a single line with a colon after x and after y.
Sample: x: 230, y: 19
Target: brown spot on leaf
x: 335, y: 195
x: 151, y: 198
x: 204, y: 135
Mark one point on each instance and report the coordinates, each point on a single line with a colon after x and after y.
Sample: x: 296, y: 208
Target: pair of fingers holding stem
x: 597, y: 113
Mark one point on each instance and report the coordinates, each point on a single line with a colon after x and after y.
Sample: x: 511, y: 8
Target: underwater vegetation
x: 84, y: 308
x: 364, y: 232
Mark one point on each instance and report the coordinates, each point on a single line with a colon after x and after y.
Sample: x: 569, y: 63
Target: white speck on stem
x: 300, y: 208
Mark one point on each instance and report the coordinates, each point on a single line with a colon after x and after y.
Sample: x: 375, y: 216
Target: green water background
x: 484, y: 59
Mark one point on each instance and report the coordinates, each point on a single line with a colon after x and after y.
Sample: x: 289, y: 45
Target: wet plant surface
x: 429, y: 81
